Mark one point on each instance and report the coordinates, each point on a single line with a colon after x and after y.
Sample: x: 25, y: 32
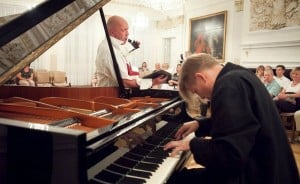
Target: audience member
x: 157, y: 67
x: 270, y: 83
x: 260, y: 72
x: 243, y: 140
x: 175, y: 76
x: 118, y: 31
x: 280, y: 78
x: 25, y: 77
x: 144, y: 70
x: 288, y: 100
x: 166, y: 67
x: 94, y: 81
x: 268, y: 67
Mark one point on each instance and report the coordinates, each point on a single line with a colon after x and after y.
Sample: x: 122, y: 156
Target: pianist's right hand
x: 186, y: 129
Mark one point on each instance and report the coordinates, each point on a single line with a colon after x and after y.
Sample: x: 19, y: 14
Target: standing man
x: 118, y: 31
x: 243, y: 142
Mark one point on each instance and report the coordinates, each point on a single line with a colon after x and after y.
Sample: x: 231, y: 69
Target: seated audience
x: 175, y: 76
x: 288, y: 100
x: 260, y: 72
x: 166, y: 67
x: 280, y: 78
x: 94, y: 81
x: 268, y: 67
x: 272, y: 86
x: 157, y: 67
x: 25, y: 77
x: 144, y: 70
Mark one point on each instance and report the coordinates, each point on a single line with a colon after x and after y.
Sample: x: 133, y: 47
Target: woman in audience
x: 288, y: 100
x: 175, y: 76
x: 144, y: 70
x: 25, y: 77
x: 260, y: 72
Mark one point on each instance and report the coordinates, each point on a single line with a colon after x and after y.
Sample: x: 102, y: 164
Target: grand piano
x: 112, y: 136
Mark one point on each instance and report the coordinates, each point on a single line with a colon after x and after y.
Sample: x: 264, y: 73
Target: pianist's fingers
x: 177, y: 146
x: 186, y: 129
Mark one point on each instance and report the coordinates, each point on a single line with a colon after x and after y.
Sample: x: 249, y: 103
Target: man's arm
x: 130, y: 83
x: 133, y: 83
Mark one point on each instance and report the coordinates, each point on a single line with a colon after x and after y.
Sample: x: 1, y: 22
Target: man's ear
x: 200, y: 76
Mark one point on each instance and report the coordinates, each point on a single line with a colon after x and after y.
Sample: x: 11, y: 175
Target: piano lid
x: 26, y: 37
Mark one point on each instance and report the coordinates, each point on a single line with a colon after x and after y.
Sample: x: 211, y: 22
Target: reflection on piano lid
x: 26, y: 37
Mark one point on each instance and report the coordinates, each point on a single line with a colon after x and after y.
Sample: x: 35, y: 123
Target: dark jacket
x: 249, y: 144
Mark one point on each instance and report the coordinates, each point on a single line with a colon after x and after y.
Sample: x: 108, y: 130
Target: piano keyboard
x: 147, y: 163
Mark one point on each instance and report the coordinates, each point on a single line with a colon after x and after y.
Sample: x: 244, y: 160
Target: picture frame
x: 208, y: 35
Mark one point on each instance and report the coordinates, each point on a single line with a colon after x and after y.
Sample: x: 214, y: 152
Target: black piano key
x: 118, y: 169
x: 144, y: 159
x: 109, y: 177
x: 134, y: 156
x: 131, y: 180
x: 141, y: 174
x: 92, y: 181
x: 159, y: 155
x: 139, y: 150
x: 127, y: 171
x: 126, y: 162
x: 155, y: 140
x: 153, y: 160
x: 148, y: 146
x: 147, y: 166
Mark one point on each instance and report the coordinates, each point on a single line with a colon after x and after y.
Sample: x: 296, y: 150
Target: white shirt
x: 105, y: 72
x: 292, y: 89
x: 282, y: 81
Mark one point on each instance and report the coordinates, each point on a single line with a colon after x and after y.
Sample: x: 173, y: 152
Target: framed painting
x: 208, y: 35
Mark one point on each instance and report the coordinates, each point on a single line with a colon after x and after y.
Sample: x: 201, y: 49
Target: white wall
x: 77, y: 51
x: 269, y: 47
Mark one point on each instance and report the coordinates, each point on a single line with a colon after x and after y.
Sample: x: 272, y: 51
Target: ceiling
x: 160, y: 5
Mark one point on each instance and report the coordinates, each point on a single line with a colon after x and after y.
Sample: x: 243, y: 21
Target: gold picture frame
x: 208, y: 35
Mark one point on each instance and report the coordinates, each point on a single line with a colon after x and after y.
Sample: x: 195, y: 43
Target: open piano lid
x: 26, y: 37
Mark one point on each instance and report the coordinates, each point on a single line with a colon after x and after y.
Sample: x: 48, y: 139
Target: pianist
x: 243, y: 141
x: 118, y: 30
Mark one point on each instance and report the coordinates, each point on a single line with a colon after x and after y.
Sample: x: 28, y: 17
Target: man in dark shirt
x: 243, y: 142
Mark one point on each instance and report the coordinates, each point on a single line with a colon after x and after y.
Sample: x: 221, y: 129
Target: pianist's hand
x: 177, y: 146
x: 186, y: 129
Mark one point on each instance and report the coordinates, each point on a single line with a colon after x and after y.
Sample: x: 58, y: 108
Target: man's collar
x: 116, y: 42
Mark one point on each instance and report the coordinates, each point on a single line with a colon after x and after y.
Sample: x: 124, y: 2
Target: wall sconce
x: 239, y: 5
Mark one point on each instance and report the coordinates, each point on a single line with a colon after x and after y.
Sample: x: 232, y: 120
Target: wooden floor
x: 296, y: 149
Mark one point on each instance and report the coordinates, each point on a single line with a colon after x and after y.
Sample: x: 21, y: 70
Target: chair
x: 290, y: 124
x: 297, y: 120
x: 42, y: 78
x: 59, y: 78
